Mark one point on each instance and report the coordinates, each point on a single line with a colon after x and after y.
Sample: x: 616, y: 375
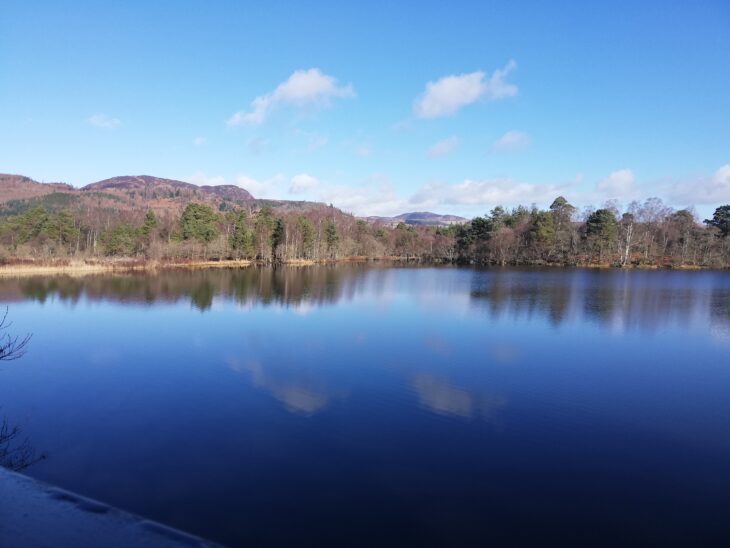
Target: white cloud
x: 447, y: 95
x: 266, y: 188
x: 486, y: 193
x: 377, y: 195
x: 199, y: 178
x: 303, y: 87
x: 301, y: 183
x: 199, y: 141
x: 373, y: 196
x: 619, y: 184
x: 103, y: 121
x: 442, y: 148
x: 512, y: 141
x: 712, y: 190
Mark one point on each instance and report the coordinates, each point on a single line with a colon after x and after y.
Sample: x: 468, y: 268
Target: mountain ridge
x: 148, y: 182
x: 129, y: 192
x: 427, y: 218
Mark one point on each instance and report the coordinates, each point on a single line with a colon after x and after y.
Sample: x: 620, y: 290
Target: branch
x: 11, y: 348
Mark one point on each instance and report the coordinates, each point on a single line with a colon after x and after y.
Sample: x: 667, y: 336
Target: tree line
x: 648, y: 233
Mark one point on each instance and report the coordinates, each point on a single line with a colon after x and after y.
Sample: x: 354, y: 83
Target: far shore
x: 77, y: 267
x: 81, y: 268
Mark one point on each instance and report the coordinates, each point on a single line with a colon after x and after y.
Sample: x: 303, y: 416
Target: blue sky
x: 377, y: 107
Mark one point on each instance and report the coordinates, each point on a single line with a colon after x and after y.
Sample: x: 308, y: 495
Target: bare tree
x: 15, y: 454
x: 11, y: 348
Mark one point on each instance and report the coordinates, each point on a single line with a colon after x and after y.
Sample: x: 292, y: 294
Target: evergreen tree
x: 721, y: 220
x: 332, y: 237
x: 241, y: 238
x: 150, y: 223
x: 199, y: 223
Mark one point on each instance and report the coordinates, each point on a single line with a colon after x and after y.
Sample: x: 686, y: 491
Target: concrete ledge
x: 33, y: 514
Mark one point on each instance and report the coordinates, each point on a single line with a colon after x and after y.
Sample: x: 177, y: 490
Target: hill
x: 425, y: 218
x: 131, y: 196
x: 159, y: 187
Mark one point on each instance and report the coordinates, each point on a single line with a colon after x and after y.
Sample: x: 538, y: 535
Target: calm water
x: 385, y: 406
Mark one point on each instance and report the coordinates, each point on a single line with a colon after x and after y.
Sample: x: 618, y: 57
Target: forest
x: 643, y: 234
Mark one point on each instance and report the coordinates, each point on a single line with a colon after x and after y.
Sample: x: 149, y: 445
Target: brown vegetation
x: 157, y: 223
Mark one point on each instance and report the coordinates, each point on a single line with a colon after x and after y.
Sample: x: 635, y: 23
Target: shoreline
x: 88, y: 267
x: 82, y: 268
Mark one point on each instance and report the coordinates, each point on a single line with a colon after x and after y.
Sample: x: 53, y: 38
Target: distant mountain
x: 147, y: 184
x: 18, y: 187
x: 419, y: 218
x: 228, y: 192
x: 131, y: 196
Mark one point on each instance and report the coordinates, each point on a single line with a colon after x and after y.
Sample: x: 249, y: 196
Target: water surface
x: 353, y: 405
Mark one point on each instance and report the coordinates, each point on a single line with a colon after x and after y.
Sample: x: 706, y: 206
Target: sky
x: 376, y: 107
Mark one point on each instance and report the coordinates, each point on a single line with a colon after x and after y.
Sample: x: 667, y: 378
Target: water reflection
x: 618, y: 300
x: 16, y: 453
x: 440, y: 396
x: 458, y: 403
x: 299, y: 397
x: 288, y: 285
x: 614, y: 299
x: 720, y: 313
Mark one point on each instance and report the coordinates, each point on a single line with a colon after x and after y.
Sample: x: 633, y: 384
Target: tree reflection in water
x: 617, y: 299
x: 15, y: 453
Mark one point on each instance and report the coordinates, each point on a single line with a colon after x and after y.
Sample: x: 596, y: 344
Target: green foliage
x: 263, y: 226
x: 278, y: 235
x: 498, y: 217
x: 56, y: 230
x: 519, y: 215
x: 464, y: 239
x: 331, y: 236
x: 199, y: 222
x: 307, y: 229
x: 562, y: 212
x: 721, y: 220
x: 61, y: 228
x: 122, y: 240
x: 27, y: 226
x: 51, y: 202
x: 542, y: 228
x: 150, y: 223
x: 265, y: 219
x: 241, y: 238
x: 481, y: 228
x: 560, y: 203
x: 646, y: 234
x: 602, y: 229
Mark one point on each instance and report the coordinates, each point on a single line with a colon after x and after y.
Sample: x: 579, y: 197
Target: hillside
x: 19, y: 187
x: 159, y: 188
x: 130, y: 196
x: 425, y: 218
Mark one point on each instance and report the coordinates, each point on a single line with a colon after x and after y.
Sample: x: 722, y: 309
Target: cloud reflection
x: 298, y: 398
x: 443, y: 398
